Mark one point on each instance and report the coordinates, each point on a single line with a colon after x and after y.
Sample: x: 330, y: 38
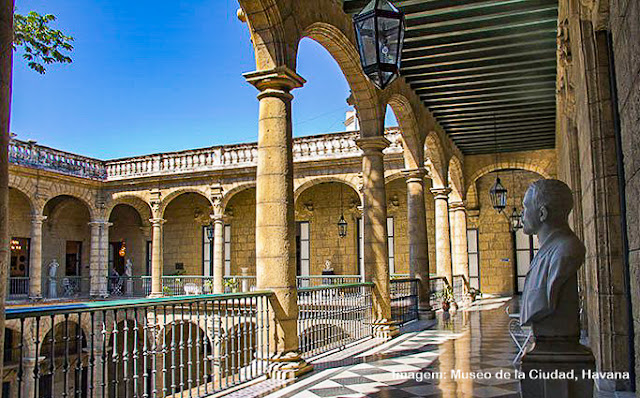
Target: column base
x: 558, y: 368
x: 36, y: 298
x: 99, y: 295
x: 426, y: 314
x: 288, y: 366
x: 155, y: 295
x: 384, y: 329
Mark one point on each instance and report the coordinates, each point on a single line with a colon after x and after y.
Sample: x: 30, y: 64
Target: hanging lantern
x: 342, y: 227
x: 380, y: 32
x: 498, y: 194
x: 515, y: 220
x: 123, y: 249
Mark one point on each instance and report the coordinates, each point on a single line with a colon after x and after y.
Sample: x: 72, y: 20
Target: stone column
x: 443, y: 236
x: 99, y: 257
x: 418, y: 241
x: 459, y: 250
x: 374, y: 216
x: 218, y: 253
x: 275, y: 220
x: 157, y: 267
x: 35, y: 257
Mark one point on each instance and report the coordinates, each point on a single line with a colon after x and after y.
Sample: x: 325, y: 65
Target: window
x: 19, y: 257
x: 303, y: 248
x: 391, y: 245
x: 207, y: 263
x: 526, y: 246
x: 73, y: 258
x: 227, y: 249
x: 116, y: 262
x: 474, y: 258
x: 148, y: 258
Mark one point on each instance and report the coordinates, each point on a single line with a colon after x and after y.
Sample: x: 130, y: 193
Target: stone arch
x: 267, y: 30
x: 471, y: 191
x: 456, y: 180
x: 228, y: 195
x: 26, y: 187
x: 435, y: 159
x: 83, y: 195
x: 395, y: 175
x: 338, y: 43
x: 406, y: 116
x: 309, y: 182
x: 29, y: 200
x: 166, y: 200
x: 141, y: 206
x: 91, y: 210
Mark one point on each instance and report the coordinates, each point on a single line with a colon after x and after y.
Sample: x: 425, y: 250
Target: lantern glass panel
x: 367, y: 41
x: 498, y: 195
x: 388, y: 39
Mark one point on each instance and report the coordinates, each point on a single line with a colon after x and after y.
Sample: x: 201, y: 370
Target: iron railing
x: 404, y: 300
x: 324, y: 280
x: 333, y: 316
x: 129, y: 286
x: 186, y: 285
x: 18, y: 287
x: 192, y: 346
x: 67, y: 287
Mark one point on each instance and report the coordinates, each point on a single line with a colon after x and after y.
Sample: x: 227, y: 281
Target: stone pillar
x: 35, y: 257
x: 157, y: 267
x: 275, y: 219
x: 99, y: 257
x: 459, y: 250
x: 218, y: 254
x: 28, y: 377
x: 443, y: 236
x: 374, y: 216
x: 418, y: 242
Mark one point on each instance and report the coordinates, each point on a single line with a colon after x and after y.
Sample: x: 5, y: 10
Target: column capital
x: 457, y: 206
x: 38, y: 218
x: 275, y: 82
x: 157, y: 222
x: 441, y: 193
x: 415, y: 175
x: 100, y: 223
x: 373, y: 145
x: 217, y: 218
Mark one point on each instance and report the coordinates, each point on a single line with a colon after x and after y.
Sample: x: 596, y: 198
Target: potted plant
x: 231, y: 285
x: 473, y: 293
x: 446, y: 295
x: 166, y: 290
x: 207, y: 286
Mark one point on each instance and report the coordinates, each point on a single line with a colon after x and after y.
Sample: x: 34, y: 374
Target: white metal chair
x: 521, y: 335
x: 191, y: 289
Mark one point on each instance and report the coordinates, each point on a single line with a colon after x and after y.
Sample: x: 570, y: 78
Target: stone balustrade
x: 313, y: 148
x: 36, y: 156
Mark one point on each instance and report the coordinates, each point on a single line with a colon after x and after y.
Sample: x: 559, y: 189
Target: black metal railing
x: 192, y: 346
x: 404, y: 300
x: 67, y: 287
x: 128, y: 286
x: 333, y: 316
x: 438, y: 285
x: 18, y: 288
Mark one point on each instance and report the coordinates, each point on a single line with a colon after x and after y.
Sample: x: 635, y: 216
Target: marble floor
x: 418, y: 363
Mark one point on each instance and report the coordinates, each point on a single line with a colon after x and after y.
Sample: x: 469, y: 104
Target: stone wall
x: 625, y: 27
x: 497, y: 263
x: 19, y: 215
x: 186, y: 215
x: 243, y: 231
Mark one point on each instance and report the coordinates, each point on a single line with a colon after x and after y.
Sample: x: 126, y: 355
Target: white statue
x: 53, y: 283
x: 550, y: 296
x: 327, y: 265
x: 128, y: 273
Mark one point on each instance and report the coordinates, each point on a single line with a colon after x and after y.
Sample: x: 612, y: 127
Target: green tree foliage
x: 41, y: 44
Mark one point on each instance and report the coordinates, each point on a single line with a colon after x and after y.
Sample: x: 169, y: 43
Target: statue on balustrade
x: 53, y: 283
x: 550, y: 303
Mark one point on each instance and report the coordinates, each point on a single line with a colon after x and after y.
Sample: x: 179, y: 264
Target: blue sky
x: 151, y: 76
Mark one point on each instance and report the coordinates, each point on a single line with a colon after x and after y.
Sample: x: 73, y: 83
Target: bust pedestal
x: 554, y: 368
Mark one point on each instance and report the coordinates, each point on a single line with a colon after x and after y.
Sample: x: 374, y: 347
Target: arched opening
x: 503, y: 257
x: 129, y: 251
x: 319, y: 246
x: 66, y: 247
x: 64, y: 364
x: 20, y: 212
x: 187, y: 216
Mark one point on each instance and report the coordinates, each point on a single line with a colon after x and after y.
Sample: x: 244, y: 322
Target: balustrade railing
x: 460, y: 288
x: 332, y: 316
x: 40, y: 157
x: 323, y: 280
x: 66, y: 287
x: 191, y: 346
x: 404, y: 300
x: 18, y: 287
x: 239, y: 283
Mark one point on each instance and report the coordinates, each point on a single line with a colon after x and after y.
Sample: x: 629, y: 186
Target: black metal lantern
x: 342, y: 227
x: 515, y: 220
x: 210, y: 231
x: 380, y: 32
x: 498, y: 194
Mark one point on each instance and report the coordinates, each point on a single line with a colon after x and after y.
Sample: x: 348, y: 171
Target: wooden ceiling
x: 486, y: 69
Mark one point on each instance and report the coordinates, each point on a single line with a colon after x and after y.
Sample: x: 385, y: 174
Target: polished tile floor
x: 418, y: 363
